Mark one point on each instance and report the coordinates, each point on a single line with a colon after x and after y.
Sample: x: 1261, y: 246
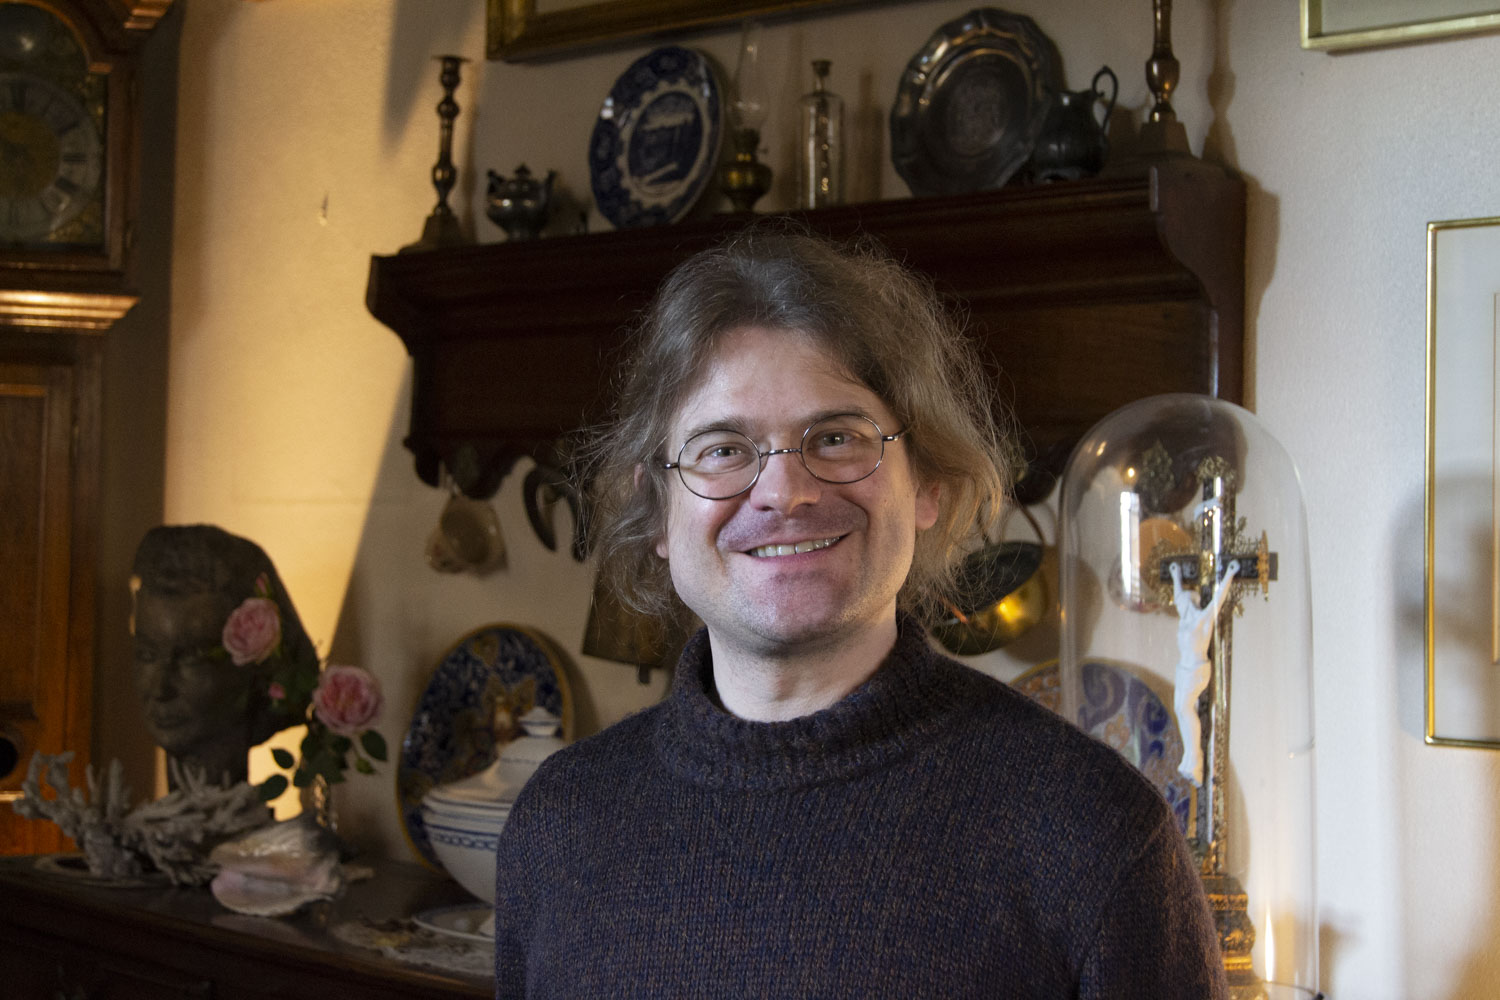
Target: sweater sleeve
x: 1156, y: 939
x: 515, y: 905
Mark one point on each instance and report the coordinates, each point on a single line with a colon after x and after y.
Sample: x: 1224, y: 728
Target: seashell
x: 277, y: 869
x: 300, y: 837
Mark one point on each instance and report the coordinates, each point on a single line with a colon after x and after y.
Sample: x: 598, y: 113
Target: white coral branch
x: 174, y: 834
x: 178, y: 831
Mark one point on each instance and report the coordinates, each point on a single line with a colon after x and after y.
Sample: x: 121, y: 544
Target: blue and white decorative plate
x: 656, y: 143
x: 469, y: 709
x: 1120, y: 709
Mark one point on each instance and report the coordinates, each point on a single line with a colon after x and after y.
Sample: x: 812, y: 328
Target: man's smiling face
x: 793, y: 564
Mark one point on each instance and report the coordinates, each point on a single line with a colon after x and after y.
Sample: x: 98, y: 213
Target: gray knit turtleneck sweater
x: 934, y: 834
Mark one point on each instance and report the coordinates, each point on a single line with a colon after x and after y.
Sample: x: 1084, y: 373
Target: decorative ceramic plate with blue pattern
x: 470, y: 708
x: 656, y: 143
x: 1120, y: 709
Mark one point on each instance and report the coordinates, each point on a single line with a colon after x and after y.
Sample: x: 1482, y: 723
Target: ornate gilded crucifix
x: 1207, y: 582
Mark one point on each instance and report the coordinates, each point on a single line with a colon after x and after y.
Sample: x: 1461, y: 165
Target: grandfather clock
x: 68, y: 182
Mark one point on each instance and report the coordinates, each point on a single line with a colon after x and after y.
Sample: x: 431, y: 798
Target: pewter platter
x: 971, y: 103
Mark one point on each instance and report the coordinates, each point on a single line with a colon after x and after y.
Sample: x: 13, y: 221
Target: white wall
x: 305, y: 135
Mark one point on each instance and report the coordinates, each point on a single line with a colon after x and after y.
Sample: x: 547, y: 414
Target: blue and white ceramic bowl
x: 471, y: 707
x: 463, y: 819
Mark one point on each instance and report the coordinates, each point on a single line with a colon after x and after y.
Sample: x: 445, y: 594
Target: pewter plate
x: 971, y: 103
x: 655, y: 146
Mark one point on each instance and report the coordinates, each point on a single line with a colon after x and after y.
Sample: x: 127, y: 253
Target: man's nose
x: 784, y: 482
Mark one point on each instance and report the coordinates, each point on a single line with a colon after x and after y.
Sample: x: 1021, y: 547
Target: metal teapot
x: 520, y: 205
x: 1072, y: 143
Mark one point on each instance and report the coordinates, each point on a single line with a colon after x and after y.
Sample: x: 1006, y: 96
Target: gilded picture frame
x: 522, y: 30
x: 1462, y: 497
x: 1356, y: 24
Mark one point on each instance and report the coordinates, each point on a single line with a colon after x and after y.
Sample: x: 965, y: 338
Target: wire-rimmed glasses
x: 722, y: 463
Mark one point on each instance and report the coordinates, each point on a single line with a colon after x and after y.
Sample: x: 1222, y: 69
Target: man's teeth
x: 788, y: 550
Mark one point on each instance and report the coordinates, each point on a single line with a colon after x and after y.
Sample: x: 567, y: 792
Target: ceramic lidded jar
x: 464, y: 818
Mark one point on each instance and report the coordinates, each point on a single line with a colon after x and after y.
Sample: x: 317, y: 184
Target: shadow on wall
x: 134, y: 424
x: 1461, y: 627
x: 1462, y: 591
x: 390, y: 646
x: 399, y: 615
x: 1262, y: 209
x: 1218, y: 141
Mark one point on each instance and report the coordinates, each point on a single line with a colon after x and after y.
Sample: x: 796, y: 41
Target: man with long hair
x: 823, y: 806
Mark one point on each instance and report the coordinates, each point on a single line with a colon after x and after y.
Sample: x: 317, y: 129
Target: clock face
x: 51, y: 158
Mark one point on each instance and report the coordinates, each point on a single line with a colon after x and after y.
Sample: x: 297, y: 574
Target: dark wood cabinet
x: 65, y: 279
x: 1084, y: 295
x: 49, y: 431
x: 61, y: 938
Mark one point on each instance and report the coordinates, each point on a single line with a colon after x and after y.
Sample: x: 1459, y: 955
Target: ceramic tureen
x: 463, y: 818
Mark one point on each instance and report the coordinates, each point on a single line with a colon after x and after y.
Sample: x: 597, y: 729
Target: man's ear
x: 661, y: 540
x: 928, y: 503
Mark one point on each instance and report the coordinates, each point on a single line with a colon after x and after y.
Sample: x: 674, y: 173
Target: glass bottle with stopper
x: 820, y: 152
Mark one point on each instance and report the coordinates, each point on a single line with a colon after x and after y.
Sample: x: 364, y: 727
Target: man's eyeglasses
x: 720, y: 464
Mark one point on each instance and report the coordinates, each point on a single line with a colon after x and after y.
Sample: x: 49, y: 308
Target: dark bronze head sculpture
x: 201, y: 706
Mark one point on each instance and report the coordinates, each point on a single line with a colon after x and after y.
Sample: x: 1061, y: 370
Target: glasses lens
x: 842, y: 449
x: 718, y: 464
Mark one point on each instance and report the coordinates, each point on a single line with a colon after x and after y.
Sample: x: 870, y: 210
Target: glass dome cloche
x: 1187, y: 645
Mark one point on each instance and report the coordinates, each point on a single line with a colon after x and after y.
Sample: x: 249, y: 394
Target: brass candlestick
x: 1162, y: 134
x: 441, y: 228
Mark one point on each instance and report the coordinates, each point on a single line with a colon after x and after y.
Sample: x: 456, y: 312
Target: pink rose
x: 276, y: 691
x: 347, y: 699
x: 253, y: 631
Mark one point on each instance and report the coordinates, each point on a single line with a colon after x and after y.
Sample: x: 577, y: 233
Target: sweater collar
x: 905, y: 701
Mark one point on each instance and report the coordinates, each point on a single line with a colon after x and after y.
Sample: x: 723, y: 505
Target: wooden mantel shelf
x: 1086, y: 296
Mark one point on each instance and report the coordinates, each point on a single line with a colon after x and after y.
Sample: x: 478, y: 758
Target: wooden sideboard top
x: 188, y: 933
